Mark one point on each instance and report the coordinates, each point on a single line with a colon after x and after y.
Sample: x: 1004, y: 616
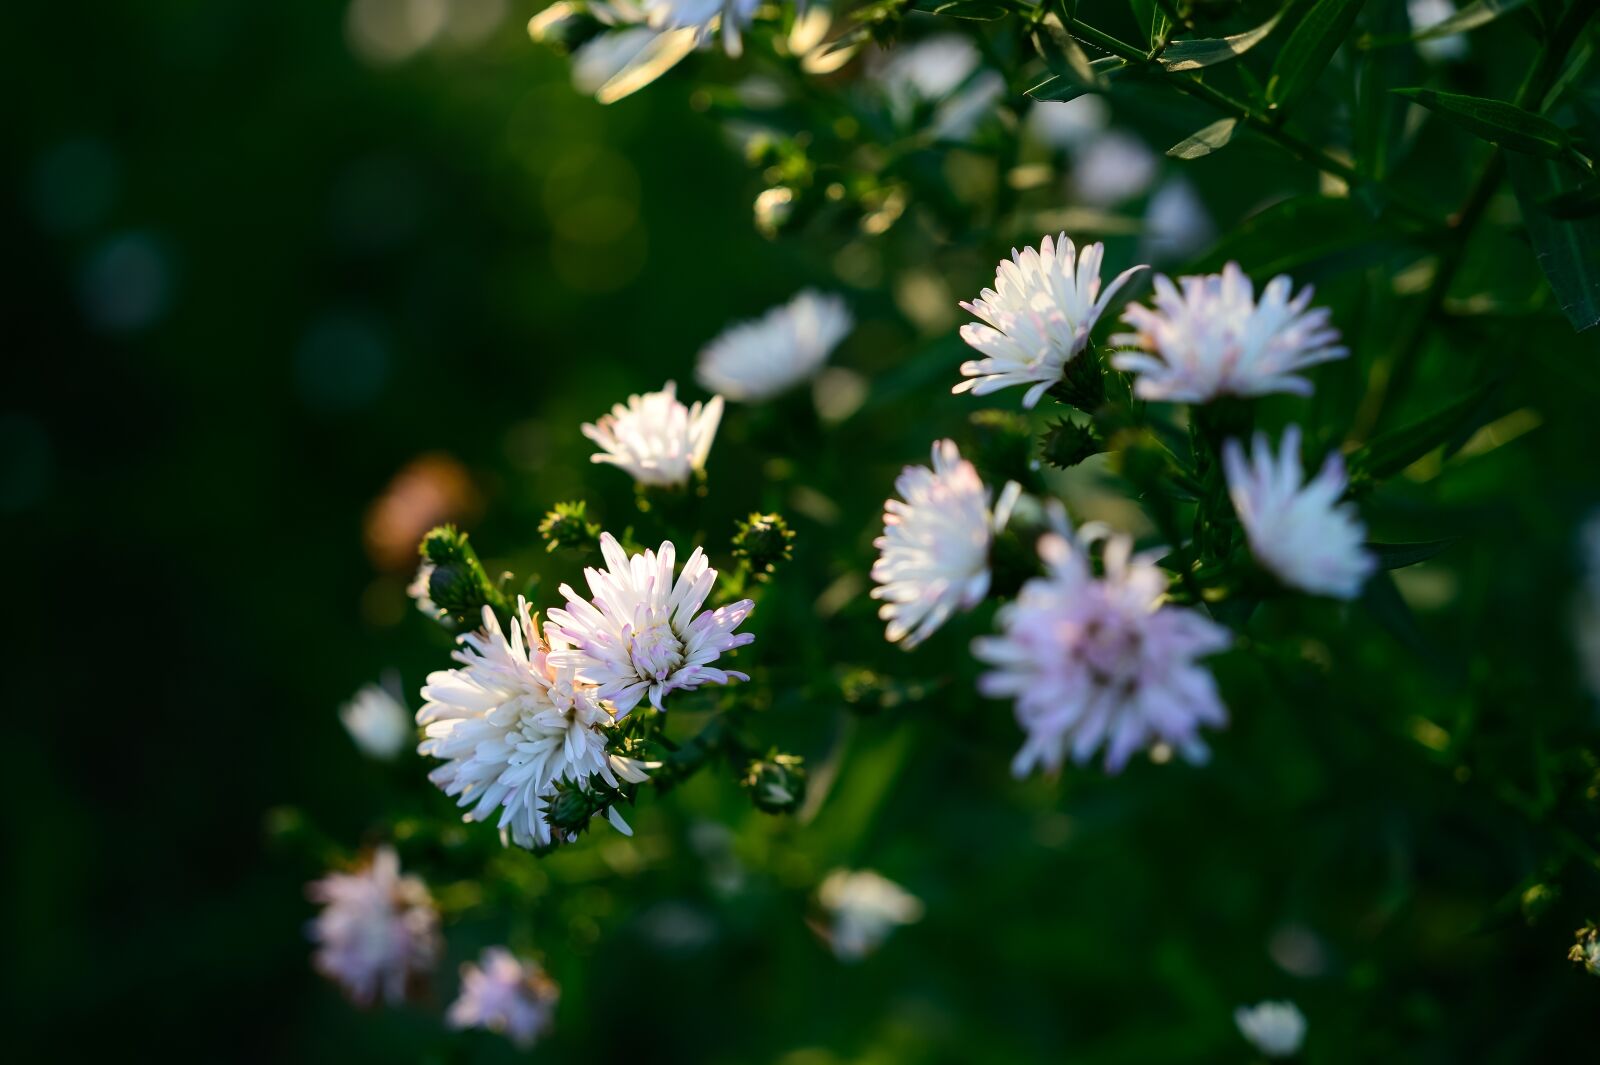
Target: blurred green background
x: 283, y: 296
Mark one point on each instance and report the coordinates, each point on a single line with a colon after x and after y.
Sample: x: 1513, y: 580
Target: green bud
x: 458, y: 585
x: 776, y: 783
x: 1068, y: 443
x: 1083, y: 381
x: 573, y: 806
x: 763, y: 540
x: 568, y: 526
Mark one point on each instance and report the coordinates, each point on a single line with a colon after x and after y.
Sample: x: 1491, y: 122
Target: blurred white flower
x: 1101, y: 661
x: 704, y: 16
x: 512, y: 722
x: 1068, y: 123
x: 378, y: 931
x: 863, y: 907
x: 658, y: 440
x: 418, y: 591
x: 942, y: 72
x: 643, y: 633
x: 933, y: 556
x: 1297, y: 529
x: 1425, y: 14
x: 507, y: 995
x: 1112, y: 167
x: 1176, y: 224
x: 758, y: 359
x: 377, y: 721
x: 1588, y: 605
x: 603, y: 57
x: 1213, y: 339
x: 1037, y: 317
x: 1586, y: 951
x: 1276, y: 1029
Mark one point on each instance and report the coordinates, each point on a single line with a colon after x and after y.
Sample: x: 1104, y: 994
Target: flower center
x: 655, y: 650
x: 1113, y: 654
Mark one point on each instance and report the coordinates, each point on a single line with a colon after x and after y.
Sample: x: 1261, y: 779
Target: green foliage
x: 1309, y: 47
x: 1495, y: 121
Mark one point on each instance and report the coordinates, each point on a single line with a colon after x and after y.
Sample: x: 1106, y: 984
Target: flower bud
x: 1068, y: 443
x: 457, y: 585
x: 773, y: 209
x: 568, y: 525
x: 777, y: 783
x: 763, y: 540
x: 1083, y: 381
x: 1003, y: 448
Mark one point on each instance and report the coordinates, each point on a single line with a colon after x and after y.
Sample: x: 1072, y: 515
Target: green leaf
x: 1568, y: 250
x: 1060, y: 89
x: 1495, y: 121
x: 1192, y: 55
x: 1379, y: 119
x: 1579, y: 202
x: 973, y: 10
x: 1389, y: 453
x: 1151, y: 20
x: 1479, y: 13
x: 1389, y: 609
x: 1322, y: 226
x: 1309, y: 48
x: 1064, y: 54
x: 1399, y: 556
x: 1205, y: 141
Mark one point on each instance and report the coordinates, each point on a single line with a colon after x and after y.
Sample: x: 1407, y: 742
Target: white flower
x: 863, y: 908
x: 658, y: 440
x: 1586, y: 951
x: 704, y: 16
x: 1176, y: 225
x: 1101, y: 661
x: 378, y: 930
x: 933, y: 556
x: 1213, y: 339
x: 1297, y: 529
x: 644, y: 633
x: 512, y: 722
x: 1425, y: 14
x: 758, y: 359
x: 603, y: 57
x: 1038, y: 317
x: 418, y: 591
x: 377, y: 721
x: 507, y: 995
x: 1275, y: 1028
x: 1112, y: 167
x: 941, y: 71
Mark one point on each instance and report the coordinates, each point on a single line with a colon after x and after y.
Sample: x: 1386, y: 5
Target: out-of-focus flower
x: 1588, y: 605
x: 378, y: 932
x: 704, y: 17
x: 1176, y: 224
x: 773, y: 209
x: 1425, y: 14
x: 512, y: 722
x: 863, y: 907
x: 644, y: 634
x: 658, y: 440
x: 941, y: 72
x: 1586, y: 951
x: 418, y: 591
x: 428, y: 491
x: 1298, y: 530
x: 1112, y: 167
x: 1276, y: 1029
x: 1095, y: 662
x: 616, y: 49
x: 933, y: 556
x: 1070, y: 123
x: 1213, y: 339
x: 377, y: 721
x: 597, y: 61
x: 505, y: 994
x: 758, y: 359
x: 1037, y: 317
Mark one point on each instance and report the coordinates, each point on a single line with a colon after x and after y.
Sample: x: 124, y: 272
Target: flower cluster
x: 378, y: 932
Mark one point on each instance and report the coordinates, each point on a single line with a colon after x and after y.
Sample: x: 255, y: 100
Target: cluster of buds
x: 776, y: 783
x: 568, y: 525
x: 453, y: 579
x: 1586, y: 951
x: 761, y: 542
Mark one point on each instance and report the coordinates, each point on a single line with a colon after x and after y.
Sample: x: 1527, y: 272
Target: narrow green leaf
x: 1151, y: 20
x: 1060, y: 89
x: 1064, y: 54
x: 1495, y: 121
x: 973, y: 10
x: 1192, y: 55
x: 1309, y: 48
x: 1579, y: 202
x: 1323, y: 226
x: 1389, y: 453
x: 1479, y: 13
x: 1568, y: 250
x: 1205, y: 141
x: 1399, y: 556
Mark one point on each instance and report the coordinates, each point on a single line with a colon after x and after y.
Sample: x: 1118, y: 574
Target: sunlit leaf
x: 1192, y: 55
x: 1478, y: 13
x: 1309, y: 48
x: 1389, y: 453
x: 1568, y: 249
x: 973, y: 10
x: 1060, y: 89
x: 1205, y: 141
x: 1152, y: 21
x: 1495, y: 121
x: 658, y: 57
x: 1064, y: 55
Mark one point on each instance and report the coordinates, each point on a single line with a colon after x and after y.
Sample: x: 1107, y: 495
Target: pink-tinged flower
x: 642, y: 633
x: 1298, y: 530
x: 756, y: 360
x: 378, y: 932
x: 656, y: 438
x: 933, y: 556
x: 1276, y: 1029
x: 1037, y: 317
x: 1100, y: 661
x: 511, y: 723
x: 1214, y: 339
x: 507, y: 995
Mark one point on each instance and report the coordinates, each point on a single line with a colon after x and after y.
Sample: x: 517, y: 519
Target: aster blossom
x: 642, y: 632
x: 933, y: 556
x: 510, y: 723
x: 756, y: 360
x: 1212, y: 338
x: 657, y: 439
x: 1276, y: 1029
x: 863, y: 907
x: 377, y: 722
x: 704, y: 16
x: 1037, y: 318
x: 1101, y: 661
x: 505, y: 994
x: 378, y: 931
x: 1298, y: 530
